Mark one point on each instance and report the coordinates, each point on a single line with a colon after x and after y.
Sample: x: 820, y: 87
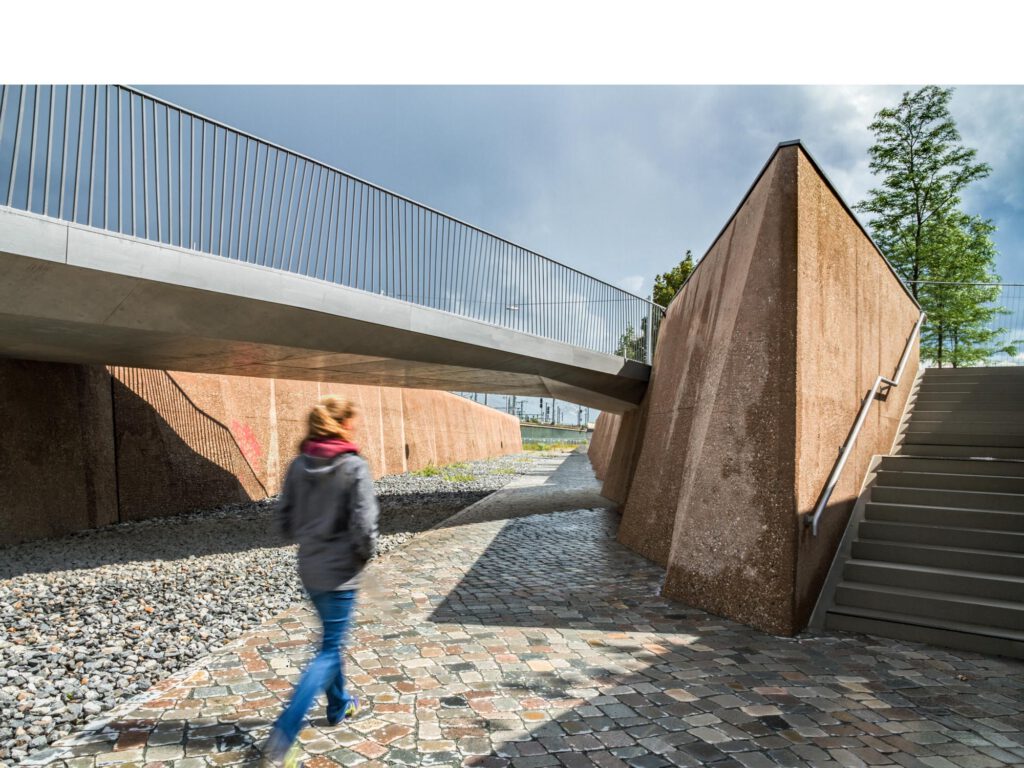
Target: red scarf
x: 328, y: 447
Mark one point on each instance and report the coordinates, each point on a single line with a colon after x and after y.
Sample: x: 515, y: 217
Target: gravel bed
x: 92, y: 619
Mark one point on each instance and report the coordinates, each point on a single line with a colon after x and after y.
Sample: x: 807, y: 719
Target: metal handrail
x: 833, y: 479
x: 116, y: 158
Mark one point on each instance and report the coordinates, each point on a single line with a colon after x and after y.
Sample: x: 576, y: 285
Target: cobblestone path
x: 542, y: 642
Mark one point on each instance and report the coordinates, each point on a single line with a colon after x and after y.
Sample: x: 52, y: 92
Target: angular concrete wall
x: 85, y: 446
x: 853, y: 321
x: 762, y: 361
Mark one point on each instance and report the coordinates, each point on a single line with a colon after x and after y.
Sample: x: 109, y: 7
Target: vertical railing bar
x: 326, y: 219
x: 357, y: 226
x: 258, y: 219
x: 252, y: 243
x: 120, y: 196
x: 202, y: 179
x: 445, y: 238
x: 357, y: 236
x: 49, y: 149
x: 262, y: 201
x: 234, y: 192
x: 367, y: 261
x: 277, y: 224
x: 156, y: 173
x: 247, y: 200
x: 298, y: 212
x: 377, y: 238
x: 145, y: 170
x: 223, y: 190
x: 250, y: 209
x: 241, y: 200
x: 396, y: 247
x: 3, y: 114
x: 247, y: 204
x: 36, y: 89
x: 167, y: 143
x: 78, y: 156
x: 106, y: 157
x: 32, y: 146
x: 385, y: 243
x: 270, y: 207
x: 281, y: 225
x: 191, y: 181
x: 17, y: 145
x: 309, y: 220
x: 474, y: 275
x: 340, y: 231
x: 181, y: 184
x: 131, y: 154
x: 304, y: 210
x: 339, y: 208
x: 92, y: 157
x: 64, y: 152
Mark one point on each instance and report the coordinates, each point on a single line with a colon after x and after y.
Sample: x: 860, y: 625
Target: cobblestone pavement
x: 540, y: 642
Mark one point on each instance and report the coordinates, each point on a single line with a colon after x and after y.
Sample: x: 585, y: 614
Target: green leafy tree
x: 961, y: 299
x: 924, y: 168
x: 917, y: 222
x: 667, y: 285
x: 632, y: 344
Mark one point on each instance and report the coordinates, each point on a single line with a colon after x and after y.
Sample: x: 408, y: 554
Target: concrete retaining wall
x: 762, y: 362
x: 85, y: 446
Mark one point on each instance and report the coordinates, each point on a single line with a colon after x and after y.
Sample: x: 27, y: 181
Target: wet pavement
x: 540, y: 641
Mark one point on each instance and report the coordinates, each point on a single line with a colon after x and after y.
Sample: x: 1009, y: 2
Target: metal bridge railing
x: 972, y: 323
x: 114, y: 158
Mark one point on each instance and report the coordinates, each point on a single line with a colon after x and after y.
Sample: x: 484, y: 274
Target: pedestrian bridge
x: 134, y: 232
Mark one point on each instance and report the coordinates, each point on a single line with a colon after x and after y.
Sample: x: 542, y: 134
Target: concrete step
x: 992, y: 384
x: 926, y: 414
x: 959, y: 466
x: 942, y: 536
x: 911, y: 448
x: 983, y: 433
x: 950, y: 634
x: 948, y: 517
x: 946, y: 402
x: 944, y: 497
x: 958, y: 558
x: 932, y: 605
x: 956, y: 482
x: 975, y: 372
x: 1009, y: 588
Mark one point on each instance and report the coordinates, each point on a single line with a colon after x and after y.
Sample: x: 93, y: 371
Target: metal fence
x: 114, y: 158
x: 998, y: 334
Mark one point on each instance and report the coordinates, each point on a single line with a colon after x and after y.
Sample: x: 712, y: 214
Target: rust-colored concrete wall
x: 88, y: 446
x: 56, y: 455
x: 762, y: 361
x: 853, y: 321
x: 712, y: 495
x: 602, y: 443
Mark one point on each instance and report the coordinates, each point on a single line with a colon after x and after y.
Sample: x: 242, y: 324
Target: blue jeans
x: 325, y: 671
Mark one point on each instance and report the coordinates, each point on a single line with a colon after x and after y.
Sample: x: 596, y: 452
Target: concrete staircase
x: 935, y: 550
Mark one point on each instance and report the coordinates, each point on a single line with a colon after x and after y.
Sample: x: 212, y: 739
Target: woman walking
x: 328, y: 506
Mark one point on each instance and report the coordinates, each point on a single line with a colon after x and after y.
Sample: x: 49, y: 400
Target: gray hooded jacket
x: 328, y: 506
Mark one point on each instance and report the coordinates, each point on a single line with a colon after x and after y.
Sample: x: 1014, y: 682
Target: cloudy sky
x: 616, y: 181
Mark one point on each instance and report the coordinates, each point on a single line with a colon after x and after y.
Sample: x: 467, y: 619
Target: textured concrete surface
x: 853, y: 322
x: 56, y: 452
x: 88, y: 446
x: 557, y: 482
x: 75, y: 294
x: 762, y: 362
x: 543, y: 642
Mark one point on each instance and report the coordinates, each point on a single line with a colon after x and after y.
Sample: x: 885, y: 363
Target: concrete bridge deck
x: 73, y: 293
